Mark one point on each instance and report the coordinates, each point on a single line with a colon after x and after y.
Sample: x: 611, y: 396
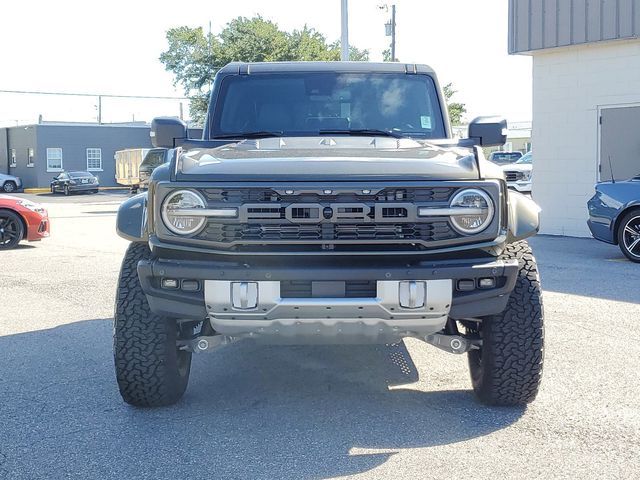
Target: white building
x: 586, y: 100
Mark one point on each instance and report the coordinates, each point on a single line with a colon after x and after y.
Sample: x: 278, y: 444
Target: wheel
x: 66, y: 190
x: 9, y: 187
x: 151, y: 371
x: 11, y: 229
x: 507, y: 369
x: 629, y: 235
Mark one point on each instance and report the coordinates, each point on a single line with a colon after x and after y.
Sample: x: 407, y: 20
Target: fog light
x: 169, y: 283
x: 244, y: 295
x: 487, y: 282
x: 190, y: 285
x: 466, y: 285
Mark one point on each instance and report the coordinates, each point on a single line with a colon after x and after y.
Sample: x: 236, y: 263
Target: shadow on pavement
x: 25, y: 246
x: 586, y: 267
x: 250, y: 412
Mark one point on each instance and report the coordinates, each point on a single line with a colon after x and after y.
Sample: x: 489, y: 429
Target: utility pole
x: 344, y: 39
x: 393, y: 33
x: 390, y: 28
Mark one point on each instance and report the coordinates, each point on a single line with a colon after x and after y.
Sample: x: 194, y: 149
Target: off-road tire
x: 508, y: 368
x: 630, y: 220
x: 150, y: 369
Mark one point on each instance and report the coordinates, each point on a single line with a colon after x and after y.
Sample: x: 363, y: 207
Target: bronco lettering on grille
x: 329, y: 213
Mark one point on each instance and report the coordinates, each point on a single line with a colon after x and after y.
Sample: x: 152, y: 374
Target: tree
x: 194, y: 57
x: 456, y: 110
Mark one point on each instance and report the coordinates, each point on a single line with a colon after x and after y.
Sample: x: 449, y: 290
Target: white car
x: 9, y: 183
x: 519, y: 174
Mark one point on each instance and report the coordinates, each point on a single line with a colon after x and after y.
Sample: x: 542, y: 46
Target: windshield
x: 306, y: 104
x: 505, y: 157
x: 526, y: 158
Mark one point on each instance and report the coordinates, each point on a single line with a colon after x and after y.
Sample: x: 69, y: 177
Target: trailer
x: 128, y: 167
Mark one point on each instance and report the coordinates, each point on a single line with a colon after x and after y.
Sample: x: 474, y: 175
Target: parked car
x: 504, y: 158
x: 10, y: 183
x: 306, y: 215
x: 614, y: 215
x: 21, y: 219
x: 71, y: 182
x: 518, y: 174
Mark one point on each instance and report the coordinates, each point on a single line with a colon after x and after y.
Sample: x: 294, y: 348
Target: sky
x: 112, y: 47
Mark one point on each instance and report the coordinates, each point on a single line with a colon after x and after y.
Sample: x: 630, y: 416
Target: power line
x: 33, y: 92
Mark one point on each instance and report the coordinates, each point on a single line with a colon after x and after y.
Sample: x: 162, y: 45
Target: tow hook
x: 203, y: 343
x: 453, y: 343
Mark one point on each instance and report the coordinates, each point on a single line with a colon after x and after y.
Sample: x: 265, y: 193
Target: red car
x: 21, y: 219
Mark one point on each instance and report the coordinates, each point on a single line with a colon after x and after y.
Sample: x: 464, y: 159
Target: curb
x: 47, y: 190
x: 36, y: 190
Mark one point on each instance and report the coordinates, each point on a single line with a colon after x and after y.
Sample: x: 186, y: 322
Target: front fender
x: 524, y: 217
x: 132, y: 218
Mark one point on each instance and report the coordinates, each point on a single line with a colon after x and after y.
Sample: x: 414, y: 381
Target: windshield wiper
x: 258, y: 134
x: 365, y: 132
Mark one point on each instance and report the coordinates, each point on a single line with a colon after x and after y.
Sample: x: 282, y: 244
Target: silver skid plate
x: 260, y: 310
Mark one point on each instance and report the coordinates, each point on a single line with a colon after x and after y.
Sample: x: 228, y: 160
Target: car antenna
x: 613, y: 180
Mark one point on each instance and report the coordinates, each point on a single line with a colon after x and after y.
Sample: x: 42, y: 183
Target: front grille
x: 327, y: 232
x: 513, y: 176
x: 304, y: 218
x: 271, y: 195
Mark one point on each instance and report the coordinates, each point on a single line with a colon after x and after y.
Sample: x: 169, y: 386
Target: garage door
x: 619, y: 143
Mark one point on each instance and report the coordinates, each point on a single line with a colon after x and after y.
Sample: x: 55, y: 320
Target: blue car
x: 614, y: 215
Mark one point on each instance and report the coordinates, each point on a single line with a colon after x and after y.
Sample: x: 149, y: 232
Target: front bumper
x: 84, y: 187
x: 210, y: 296
x: 38, y: 225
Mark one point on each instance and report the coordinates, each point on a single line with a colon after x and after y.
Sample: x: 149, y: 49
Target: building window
x: 54, y: 159
x: 30, y: 157
x: 12, y: 160
x: 94, y: 159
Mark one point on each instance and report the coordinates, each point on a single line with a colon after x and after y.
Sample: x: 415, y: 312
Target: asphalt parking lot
x: 396, y: 412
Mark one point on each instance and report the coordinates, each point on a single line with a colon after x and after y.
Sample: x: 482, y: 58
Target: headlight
x: 480, y: 211
x: 34, y: 207
x: 175, y: 212
x: 526, y: 176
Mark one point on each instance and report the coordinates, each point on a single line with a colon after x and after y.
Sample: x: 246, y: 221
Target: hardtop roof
x: 342, y: 67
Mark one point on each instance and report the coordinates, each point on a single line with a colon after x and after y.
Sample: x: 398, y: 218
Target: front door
x: 619, y: 143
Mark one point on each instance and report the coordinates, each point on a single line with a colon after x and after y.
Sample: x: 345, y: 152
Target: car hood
x: 517, y: 167
x: 327, y: 158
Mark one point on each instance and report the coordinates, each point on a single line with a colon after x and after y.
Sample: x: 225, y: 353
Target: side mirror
x: 168, y: 132
x: 488, y: 131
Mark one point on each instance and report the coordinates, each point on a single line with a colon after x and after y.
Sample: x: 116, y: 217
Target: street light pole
x: 344, y: 39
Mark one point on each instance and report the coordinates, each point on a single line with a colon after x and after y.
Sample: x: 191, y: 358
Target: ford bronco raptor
x: 328, y: 203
